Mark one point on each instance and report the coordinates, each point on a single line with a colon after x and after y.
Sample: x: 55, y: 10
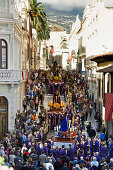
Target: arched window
x: 3, y: 54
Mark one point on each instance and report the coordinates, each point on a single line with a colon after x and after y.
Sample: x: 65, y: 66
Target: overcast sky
x: 65, y: 4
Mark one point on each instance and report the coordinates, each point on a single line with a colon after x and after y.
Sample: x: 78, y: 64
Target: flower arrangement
x: 63, y: 105
x: 64, y: 134
x: 60, y: 77
x: 50, y: 104
x: 56, y: 105
x: 56, y: 78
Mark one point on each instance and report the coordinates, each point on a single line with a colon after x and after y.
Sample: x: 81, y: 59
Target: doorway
x: 3, y: 116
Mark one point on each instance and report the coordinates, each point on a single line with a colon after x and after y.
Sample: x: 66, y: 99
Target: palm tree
x: 37, y: 14
x: 39, y: 20
x: 44, y: 33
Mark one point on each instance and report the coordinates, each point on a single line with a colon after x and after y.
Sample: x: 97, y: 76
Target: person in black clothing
x: 20, y: 140
x: 18, y: 165
x: 17, y: 159
x: 92, y: 133
x: 25, y: 104
x: 102, y: 163
x: 57, y: 165
x: 103, y: 129
x: 65, y: 167
x: 83, y: 120
x: 99, y: 121
x: 88, y: 127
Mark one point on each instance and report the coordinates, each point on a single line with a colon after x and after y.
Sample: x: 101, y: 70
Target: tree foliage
x: 39, y: 19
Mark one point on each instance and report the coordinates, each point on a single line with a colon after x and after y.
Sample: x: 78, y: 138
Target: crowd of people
x: 28, y: 146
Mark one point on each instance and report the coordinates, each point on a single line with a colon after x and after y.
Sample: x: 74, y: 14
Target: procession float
x: 56, y: 86
x: 56, y: 113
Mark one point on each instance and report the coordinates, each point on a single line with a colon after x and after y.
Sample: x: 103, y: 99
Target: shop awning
x: 102, y: 58
x: 108, y: 69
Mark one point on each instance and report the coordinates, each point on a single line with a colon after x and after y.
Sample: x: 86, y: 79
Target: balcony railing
x: 10, y: 75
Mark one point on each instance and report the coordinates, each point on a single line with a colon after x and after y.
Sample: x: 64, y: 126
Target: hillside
x: 63, y: 18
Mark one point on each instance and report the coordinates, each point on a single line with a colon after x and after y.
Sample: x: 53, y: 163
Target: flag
x: 64, y: 125
x: 71, y: 56
x: 108, y: 106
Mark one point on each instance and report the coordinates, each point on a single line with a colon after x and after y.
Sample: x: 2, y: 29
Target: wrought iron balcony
x: 10, y: 75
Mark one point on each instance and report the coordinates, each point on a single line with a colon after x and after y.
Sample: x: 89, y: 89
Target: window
x: 3, y: 54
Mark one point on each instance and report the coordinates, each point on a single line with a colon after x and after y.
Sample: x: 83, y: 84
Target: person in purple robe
x: 38, y: 150
x: 96, y: 146
x: 70, y: 153
x: 75, y: 149
x: 29, y: 145
x: 46, y: 149
x: 81, y: 154
x: 111, y: 145
x: 53, y: 151
x: 57, y: 152
x: 111, y: 152
x: 103, y: 151
x: 49, y: 144
x: 91, y: 147
x: 62, y: 151
x: 86, y: 148
x: 38, y: 136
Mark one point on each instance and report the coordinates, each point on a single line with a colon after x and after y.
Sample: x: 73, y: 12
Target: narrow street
x: 56, y: 85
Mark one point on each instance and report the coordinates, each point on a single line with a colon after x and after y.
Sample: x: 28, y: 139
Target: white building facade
x: 14, y: 63
x: 57, y: 46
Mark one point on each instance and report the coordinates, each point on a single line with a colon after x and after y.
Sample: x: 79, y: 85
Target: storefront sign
x: 83, y: 73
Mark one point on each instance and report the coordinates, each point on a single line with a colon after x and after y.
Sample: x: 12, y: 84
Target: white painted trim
x: 5, y: 20
x: 8, y: 48
x: 6, y: 32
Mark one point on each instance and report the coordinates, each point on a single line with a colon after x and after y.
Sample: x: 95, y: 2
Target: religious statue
x: 56, y: 97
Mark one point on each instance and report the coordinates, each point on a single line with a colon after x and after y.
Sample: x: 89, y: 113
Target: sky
x: 65, y: 5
